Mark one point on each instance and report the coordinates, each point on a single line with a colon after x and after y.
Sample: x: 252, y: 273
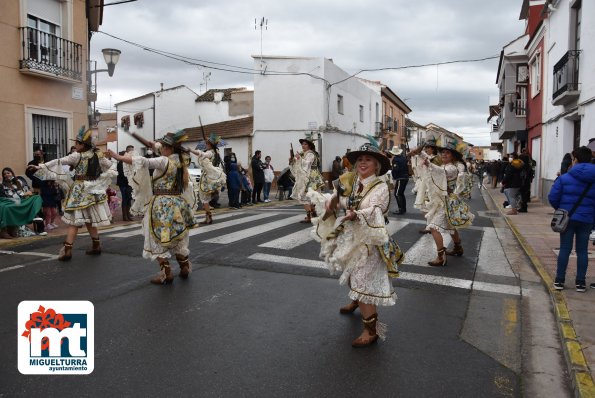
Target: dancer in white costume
x: 304, y: 167
x: 358, y: 245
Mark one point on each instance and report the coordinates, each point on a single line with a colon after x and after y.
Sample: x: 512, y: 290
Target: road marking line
x: 230, y: 223
x: 249, y: 232
x: 408, y: 276
x: 290, y: 241
x: 12, y: 268
x: 490, y: 259
x: 422, y: 251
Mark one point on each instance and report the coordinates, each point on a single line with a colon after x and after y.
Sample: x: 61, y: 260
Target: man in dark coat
x: 257, y: 176
x: 125, y: 189
x: 400, y: 173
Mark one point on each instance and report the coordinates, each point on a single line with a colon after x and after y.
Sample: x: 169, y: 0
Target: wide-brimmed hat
x: 396, y: 150
x: 174, y: 139
x: 84, y: 136
x: 214, y: 139
x: 457, y: 148
x: 370, y: 149
x: 309, y: 141
x: 431, y: 141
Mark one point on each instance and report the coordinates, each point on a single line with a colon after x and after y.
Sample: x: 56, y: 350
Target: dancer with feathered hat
x: 447, y: 188
x: 212, y: 177
x: 167, y: 201
x: 304, y: 167
x: 359, y: 245
x: 86, y: 201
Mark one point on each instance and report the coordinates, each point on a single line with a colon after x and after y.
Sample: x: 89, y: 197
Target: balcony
x: 378, y: 129
x: 45, y: 54
x: 566, y: 84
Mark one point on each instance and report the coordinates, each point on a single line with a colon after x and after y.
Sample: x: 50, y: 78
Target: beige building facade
x: 43, y: 75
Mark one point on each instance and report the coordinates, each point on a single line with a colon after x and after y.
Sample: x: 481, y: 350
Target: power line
x: 250, y: 71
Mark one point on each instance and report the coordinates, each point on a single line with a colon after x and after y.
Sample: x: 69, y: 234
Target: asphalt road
x: 259, y: 316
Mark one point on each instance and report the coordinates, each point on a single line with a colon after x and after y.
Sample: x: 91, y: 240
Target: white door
x: 536, y: 155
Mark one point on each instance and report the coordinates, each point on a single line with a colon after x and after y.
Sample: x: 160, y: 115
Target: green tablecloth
x: 12, y: 213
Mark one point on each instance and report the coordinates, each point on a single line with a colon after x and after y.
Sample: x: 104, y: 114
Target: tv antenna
x: 263, y: 26
x: 206, y: 76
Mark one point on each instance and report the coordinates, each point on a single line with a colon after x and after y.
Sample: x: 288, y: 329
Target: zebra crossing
x: 275, y: 236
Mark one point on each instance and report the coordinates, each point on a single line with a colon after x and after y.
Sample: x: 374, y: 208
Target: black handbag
x: 561, y: 217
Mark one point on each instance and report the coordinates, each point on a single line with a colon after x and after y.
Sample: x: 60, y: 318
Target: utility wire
x: 250, y: 71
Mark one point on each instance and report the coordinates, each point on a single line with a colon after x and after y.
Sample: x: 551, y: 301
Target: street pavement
x: 259, y: 315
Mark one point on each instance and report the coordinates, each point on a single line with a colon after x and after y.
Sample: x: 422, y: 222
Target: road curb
x: 582, y: 381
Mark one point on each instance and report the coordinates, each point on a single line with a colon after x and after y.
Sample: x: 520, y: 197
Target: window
x: 535, y: 75
x: 49, y: 134
x: 361, y: 113
x: 43, y: 40
x: 377, y: 112
x: 340, y: 104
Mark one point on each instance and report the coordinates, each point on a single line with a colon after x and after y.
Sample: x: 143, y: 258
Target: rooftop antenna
x: 263, y: 24
x: 205, y: 79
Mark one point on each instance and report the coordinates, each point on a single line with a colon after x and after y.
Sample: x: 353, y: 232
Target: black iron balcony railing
x: 566, y: 73
x: 49, y: 53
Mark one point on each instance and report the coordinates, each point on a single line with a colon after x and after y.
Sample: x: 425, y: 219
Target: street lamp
x: 111, y: 57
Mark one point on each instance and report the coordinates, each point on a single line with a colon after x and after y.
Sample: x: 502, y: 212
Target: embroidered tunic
x: 86, y: 201
x: 168, y: 214
x: 362, y: 249
x: 446, y: 187
x: 305, y: 171
x: 212, y: 177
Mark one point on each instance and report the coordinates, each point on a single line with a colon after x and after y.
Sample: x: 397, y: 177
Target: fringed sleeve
x: 108, y: 173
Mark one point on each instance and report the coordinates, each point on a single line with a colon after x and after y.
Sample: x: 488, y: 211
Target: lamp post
x: 111, y: 57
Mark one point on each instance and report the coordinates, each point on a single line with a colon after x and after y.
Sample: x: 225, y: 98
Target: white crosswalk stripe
x: 230, y: 223
x: 249, y: 232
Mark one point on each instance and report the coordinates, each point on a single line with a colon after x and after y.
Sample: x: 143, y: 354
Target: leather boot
x: 370, y: 326
x: 4, y: 234
x: 96, y: 249
x: 440, y: 261
x: 457, y: 250
x: 349, y: 308
x: 65, y: 252
x: 185, y: 266
x: 165, y: 275
x: 308, y: 218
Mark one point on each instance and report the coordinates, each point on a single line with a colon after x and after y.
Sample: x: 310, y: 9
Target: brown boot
x: 165, y: 275
x: 308, y: 218
x: 349, y: 308
x: 96, y: 249
x: 457, y: 250
x: 185, y: 266
x: 65, y: 252
x: 208, y: 219
x: 440, y: 261
x: 370, y: 326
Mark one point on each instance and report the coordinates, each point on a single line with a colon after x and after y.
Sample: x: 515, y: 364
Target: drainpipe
x: 154, y: 126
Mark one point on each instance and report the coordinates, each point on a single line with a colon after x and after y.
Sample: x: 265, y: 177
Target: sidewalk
x: 575, y: 312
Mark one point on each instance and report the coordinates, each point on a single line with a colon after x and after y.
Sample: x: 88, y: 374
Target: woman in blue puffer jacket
x: 564, y: 194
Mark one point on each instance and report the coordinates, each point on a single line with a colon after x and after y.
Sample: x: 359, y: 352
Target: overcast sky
x: 356, y: 34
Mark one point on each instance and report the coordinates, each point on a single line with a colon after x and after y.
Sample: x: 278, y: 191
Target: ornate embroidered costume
x: 447, y: 186
x: 307, y: 176
x: 168, y: 213
x: 86, y: 201
x: 212, y: 177
x: 361, y: 250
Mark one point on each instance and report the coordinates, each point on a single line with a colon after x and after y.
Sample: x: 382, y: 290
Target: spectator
x: 36, y: 182
x: 228, y: 160
x: 51, y: 195
x: 503, y: 164
x: 566, y: 164
x: 285, y: 182
x: 257, y: 176
x: 526, y: 180
x: 400, y: 174
x: 18, y: 205
x: 512, y: 183
x: 575, y: 188
x: 112, y: 200
x: 246, y: 192
x: 269, y: 176
x: 345, y: 162
x: 495, y: 172
x: 125, y: 188
x: 234, y: 186
x: 336, y: 168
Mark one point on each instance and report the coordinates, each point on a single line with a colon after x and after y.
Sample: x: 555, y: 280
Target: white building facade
x: 296, y: 96
x: 569, y: 82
